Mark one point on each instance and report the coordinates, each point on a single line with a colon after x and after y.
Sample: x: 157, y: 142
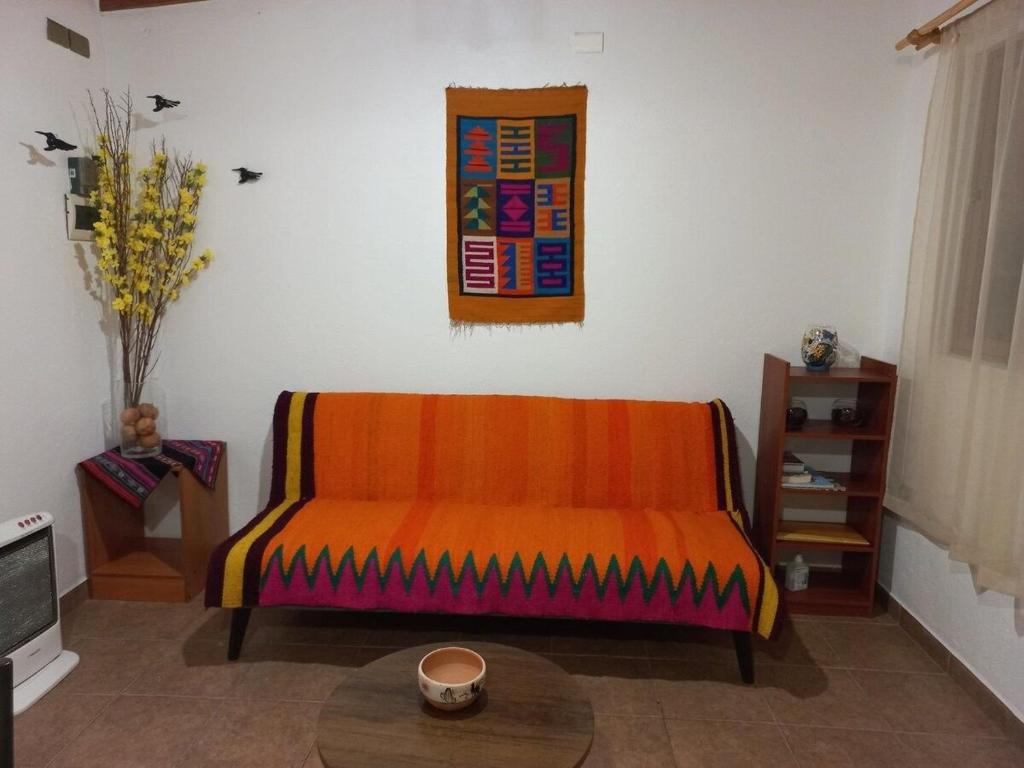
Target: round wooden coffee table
x: 531, y: 713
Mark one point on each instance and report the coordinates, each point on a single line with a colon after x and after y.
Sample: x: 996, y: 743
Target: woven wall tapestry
x: 515, y: 205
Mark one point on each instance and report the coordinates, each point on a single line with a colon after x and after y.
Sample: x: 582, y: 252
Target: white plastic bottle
x: 797, y: 574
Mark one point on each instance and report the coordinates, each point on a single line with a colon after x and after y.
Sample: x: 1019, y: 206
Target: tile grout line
x: 668, y: 736
x: 199, y: 732
x: 305, y: 759
x: 779, y: 726
x: 93, y: 719
x: 785, y: 740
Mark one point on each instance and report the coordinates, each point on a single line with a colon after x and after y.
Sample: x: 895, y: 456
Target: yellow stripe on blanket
x: 769, y: 607
x: 234, y: 568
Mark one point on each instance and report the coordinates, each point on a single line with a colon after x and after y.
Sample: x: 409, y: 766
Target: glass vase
x: 139, y: 418
x: 819, y: 348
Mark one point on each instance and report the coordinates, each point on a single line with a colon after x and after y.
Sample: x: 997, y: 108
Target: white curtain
x: 956, y: 470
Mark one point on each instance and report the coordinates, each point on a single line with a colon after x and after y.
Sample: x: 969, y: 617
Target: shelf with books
x: 853, y: 485
x: 849, y: 519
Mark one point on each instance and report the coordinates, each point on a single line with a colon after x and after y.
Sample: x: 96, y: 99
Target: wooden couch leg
x: 239, y: 621
x: 744, y: 655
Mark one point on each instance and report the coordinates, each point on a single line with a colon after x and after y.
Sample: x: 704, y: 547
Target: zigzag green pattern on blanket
x: 470, y: 573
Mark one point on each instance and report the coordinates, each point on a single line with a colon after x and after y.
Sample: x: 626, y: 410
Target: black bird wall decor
x: 244, y: 175
x: 163, y: 103
x: 52, y: 142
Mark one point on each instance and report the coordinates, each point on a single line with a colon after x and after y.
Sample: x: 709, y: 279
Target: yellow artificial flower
x: 143, y: 286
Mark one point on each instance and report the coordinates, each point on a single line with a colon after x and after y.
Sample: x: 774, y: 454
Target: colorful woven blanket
x: 134, y: 479
x: 515, y: 204
x: 526, y: 506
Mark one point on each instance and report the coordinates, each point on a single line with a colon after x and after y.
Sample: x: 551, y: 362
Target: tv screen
x: 28, y: 590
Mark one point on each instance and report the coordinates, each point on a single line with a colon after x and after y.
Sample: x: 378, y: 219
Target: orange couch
x: 617, y: 510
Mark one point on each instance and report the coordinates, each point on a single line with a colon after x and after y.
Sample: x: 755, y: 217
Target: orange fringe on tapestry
x: 515, y: 168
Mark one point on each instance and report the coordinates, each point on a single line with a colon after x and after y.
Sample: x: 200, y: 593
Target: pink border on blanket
x: 562, y: 604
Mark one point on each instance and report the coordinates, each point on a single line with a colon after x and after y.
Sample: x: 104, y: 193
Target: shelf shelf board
x: 838, y: 374
x: 149, y: 558
x: 823, y: 429
x: 821, y: 536
x: 855, y: 486
x: 829, y: 592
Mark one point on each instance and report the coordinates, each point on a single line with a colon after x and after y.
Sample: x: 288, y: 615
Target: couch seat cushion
x: 585, y: 563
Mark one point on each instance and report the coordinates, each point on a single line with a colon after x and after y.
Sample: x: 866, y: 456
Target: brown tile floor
x: 154, y: 690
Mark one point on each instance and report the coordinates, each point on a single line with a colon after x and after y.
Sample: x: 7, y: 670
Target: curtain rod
x: 930, y: 31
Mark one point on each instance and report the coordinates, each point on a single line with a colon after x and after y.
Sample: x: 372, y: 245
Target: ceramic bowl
x: 452, y: 678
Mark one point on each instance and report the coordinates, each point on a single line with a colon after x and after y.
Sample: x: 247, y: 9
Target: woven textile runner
x: 515, y: 204
x: 133, y: 480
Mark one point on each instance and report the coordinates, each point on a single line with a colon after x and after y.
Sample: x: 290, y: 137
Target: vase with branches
x: 144, y: 245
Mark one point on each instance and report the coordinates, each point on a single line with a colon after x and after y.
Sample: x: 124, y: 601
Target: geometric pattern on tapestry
x: 515, y: 186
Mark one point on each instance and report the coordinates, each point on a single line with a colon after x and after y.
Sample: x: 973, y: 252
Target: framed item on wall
x: 80, y: 217
x: 515, y: 205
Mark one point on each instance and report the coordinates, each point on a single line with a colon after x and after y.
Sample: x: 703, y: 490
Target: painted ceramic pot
x: 820, y: 347
x: 452, y: 678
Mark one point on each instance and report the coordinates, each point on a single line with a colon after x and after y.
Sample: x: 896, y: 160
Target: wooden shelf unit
x: 848, y: 589
x: 124, y: 564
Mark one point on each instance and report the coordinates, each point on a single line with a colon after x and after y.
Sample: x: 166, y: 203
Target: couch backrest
x: 503, y: 449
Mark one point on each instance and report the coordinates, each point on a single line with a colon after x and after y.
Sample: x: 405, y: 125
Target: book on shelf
x: 791, y: 464
x: 809, y: 479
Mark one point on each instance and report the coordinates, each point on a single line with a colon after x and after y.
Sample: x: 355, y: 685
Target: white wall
x: 985, y: 630
x: 740, y: 170
x: 52, y: 354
